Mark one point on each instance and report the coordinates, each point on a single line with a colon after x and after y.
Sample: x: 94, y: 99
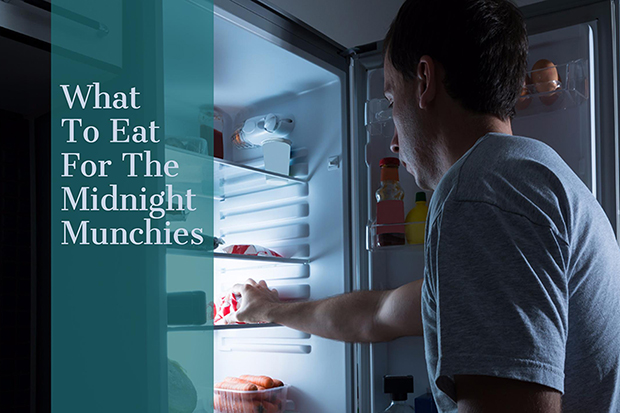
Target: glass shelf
x: 413, y: 248
x: 254, y: 258
x: 373, y: 230
x: 181, y: 250
x: 229, y: 179
x: 221, y: 327
x: 571, y: 90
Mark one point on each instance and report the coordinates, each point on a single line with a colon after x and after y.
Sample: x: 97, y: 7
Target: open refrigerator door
x: 388, y: 267
x: 563, y: 114
x: 572, y: 105
x: 275, y: 182
x: 567, y: 103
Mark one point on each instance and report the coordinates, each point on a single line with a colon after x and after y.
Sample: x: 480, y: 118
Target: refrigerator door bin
x: 569, y: 90
x: 379, y: 118
x: 411, y: 229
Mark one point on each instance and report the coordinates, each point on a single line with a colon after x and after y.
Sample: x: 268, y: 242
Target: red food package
x: 229, y: 303
x: 256, y: 250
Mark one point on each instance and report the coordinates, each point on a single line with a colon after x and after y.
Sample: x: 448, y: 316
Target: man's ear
x: 427, y: 81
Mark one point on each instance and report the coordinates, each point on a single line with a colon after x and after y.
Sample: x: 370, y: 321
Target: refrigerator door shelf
x: 571, y: 90
x: 373, y: 230
x: 379, y: 118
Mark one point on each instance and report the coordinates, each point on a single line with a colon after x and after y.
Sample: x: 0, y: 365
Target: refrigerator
x: 320, y: 217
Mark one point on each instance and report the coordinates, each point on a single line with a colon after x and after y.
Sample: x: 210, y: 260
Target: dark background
x: 24, y: 224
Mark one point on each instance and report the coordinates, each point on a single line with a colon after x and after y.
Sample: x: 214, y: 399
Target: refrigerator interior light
x: 269, y: 132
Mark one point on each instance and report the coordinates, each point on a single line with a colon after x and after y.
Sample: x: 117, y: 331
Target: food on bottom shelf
x: 182, y: 397
x: 546, y: 78
x: 263, y: 381
x: 233, y: 383
x: 255, y: 250
x: 246, y: 395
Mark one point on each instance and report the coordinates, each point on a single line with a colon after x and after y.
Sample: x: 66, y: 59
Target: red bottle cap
x: 389, y: 161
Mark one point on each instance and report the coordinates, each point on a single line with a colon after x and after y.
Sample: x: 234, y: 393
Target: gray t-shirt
x: 522, y: 277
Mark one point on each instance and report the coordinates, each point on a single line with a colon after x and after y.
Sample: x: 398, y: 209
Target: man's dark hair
x: 482, y: 45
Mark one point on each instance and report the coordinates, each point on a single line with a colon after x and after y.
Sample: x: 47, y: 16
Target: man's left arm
x: 487, y: 394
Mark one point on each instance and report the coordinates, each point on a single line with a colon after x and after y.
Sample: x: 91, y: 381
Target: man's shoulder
x: 498, y: 159
x: 494, y: 157
x: 514, y: 173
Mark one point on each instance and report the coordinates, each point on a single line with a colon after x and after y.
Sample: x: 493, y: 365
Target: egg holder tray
x: 572, y: 89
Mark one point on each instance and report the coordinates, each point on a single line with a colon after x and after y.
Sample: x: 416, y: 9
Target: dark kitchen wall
x: 24, y: 225
x: 15, y: 261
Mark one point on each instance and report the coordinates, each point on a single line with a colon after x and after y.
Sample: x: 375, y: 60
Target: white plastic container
x: 277, y: 153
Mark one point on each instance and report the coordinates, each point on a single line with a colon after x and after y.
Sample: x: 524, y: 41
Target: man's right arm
x: 360, y: 316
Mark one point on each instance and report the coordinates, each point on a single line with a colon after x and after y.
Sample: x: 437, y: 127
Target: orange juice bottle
x: 415, y: 232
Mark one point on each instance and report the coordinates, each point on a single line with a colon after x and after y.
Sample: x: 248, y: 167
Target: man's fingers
x: 251, y: 282
x: 273, y: 290
x: 237, y: 289
x: 263, y: 284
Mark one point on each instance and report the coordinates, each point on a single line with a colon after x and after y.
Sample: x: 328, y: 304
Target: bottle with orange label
x: 390, y: 206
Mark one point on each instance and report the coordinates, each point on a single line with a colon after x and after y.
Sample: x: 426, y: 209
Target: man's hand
x: 257, y: 301
x: 359, y: 316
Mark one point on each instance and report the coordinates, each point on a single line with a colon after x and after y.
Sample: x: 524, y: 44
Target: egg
x: 546, y: 79
x: 524, y: 101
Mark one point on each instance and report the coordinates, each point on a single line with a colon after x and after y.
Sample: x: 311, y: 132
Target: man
x: 520, y: 302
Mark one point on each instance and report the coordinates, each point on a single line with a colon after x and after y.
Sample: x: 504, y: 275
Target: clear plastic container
x: 261, y: 401
x: 571, y: 89
x: 379, y: 118
x: 372, y: 235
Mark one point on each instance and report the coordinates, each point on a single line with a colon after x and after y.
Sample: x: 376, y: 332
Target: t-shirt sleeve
x: 501, y: 296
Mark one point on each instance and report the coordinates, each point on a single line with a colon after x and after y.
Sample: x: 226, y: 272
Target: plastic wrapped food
x: 229, y: 303
x: 256, y: 250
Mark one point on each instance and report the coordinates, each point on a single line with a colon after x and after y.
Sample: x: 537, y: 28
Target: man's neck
x: 463, y: 133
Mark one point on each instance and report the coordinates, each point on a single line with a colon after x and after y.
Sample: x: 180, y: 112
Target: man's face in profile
x: 411, y: 142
